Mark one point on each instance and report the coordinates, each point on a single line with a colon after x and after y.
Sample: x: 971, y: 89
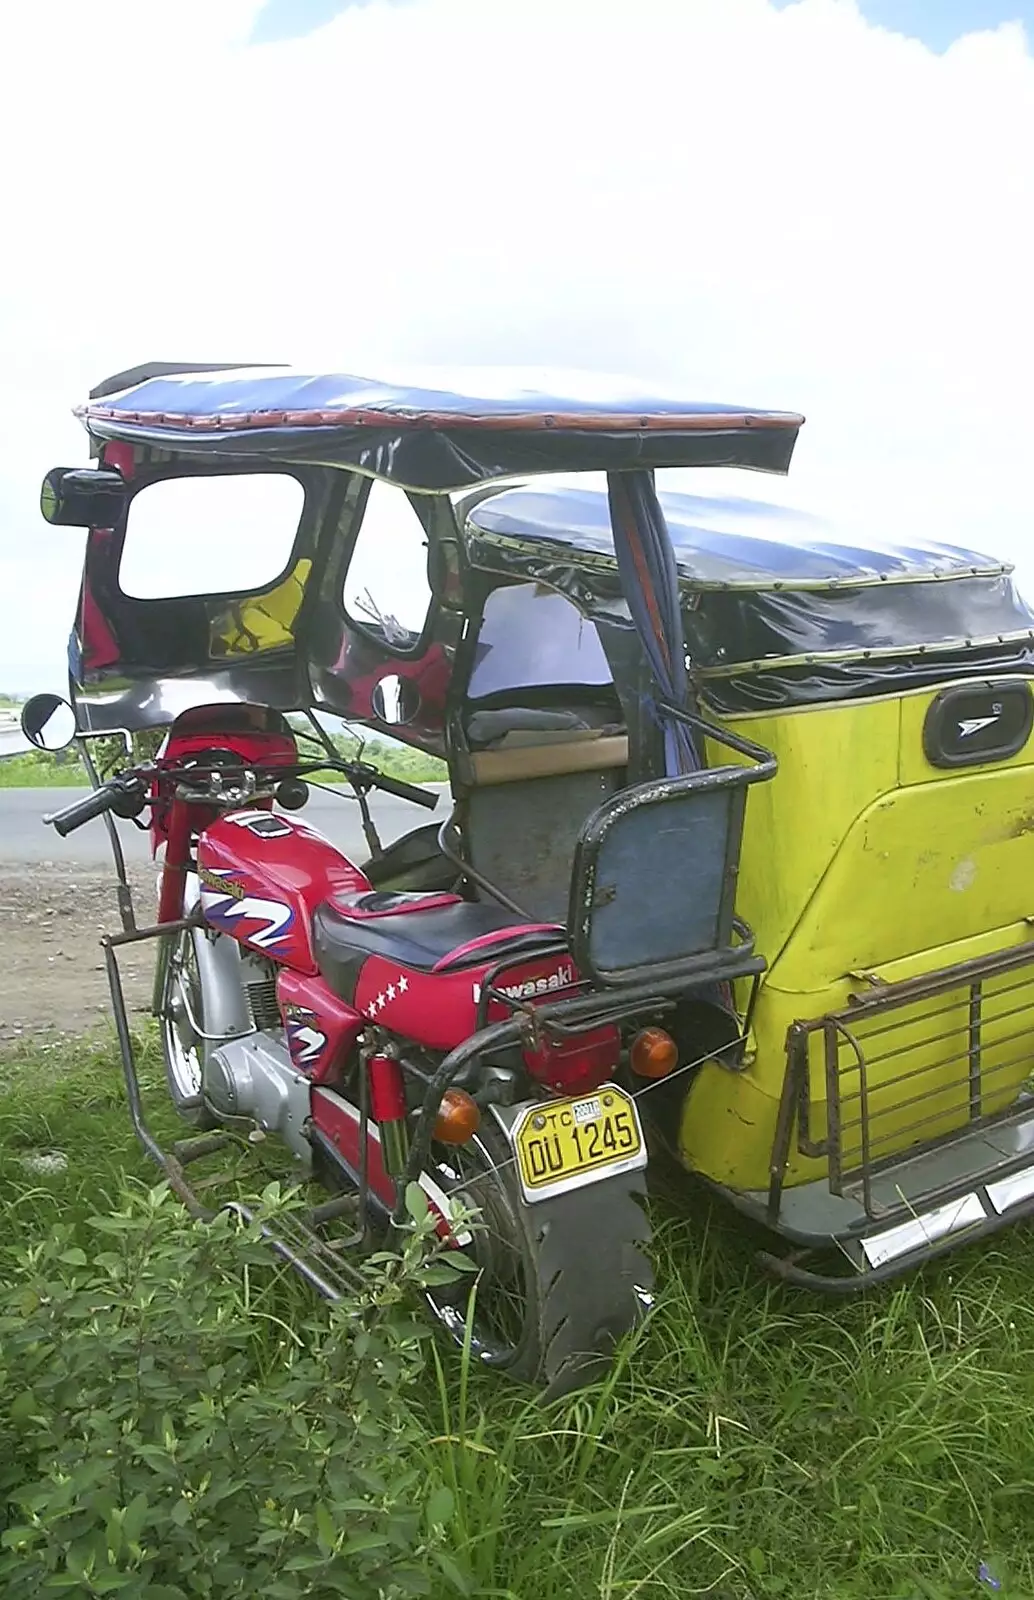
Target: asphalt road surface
x: 24, y: 838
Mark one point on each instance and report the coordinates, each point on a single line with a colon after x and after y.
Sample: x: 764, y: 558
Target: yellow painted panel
x: 261, y: 622
x: 833, y: 762
x: 860, y: 857
x: 921, y: 868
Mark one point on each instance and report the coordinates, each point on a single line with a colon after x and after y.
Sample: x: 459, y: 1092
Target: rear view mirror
x: 83, y: 497
x: 48, y: 722
x: 395, y: 700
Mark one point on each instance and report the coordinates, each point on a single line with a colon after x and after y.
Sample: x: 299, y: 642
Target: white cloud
x: 787, y: 208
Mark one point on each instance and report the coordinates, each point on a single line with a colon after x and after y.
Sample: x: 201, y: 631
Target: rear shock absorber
x: 388, y: 1106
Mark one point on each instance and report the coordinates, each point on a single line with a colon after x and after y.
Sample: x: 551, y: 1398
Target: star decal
x: 391, y: 992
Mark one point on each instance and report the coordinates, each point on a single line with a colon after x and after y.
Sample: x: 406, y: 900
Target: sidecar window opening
x: 211, y: 535
x: 387, y: 593
x: 546, y: 743
x: 534, y: 638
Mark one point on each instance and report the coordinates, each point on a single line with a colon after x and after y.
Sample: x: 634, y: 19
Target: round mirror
x: 395, y: 700
x: 48, y: 722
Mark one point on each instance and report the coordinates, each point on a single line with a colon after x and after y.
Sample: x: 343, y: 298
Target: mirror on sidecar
x: 395, y: 699
x: 83, y: 497
x: 48, y: 722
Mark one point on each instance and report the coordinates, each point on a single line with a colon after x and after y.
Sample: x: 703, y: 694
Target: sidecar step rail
x: 917, y: 1098
x: 855, y: 1278
x: 294, y: 1239
x: 932, y: 1202
x: 312, y: 1258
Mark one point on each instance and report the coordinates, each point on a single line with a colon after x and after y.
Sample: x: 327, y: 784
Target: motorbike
x: 732, y: 872
x: 369, y: 1031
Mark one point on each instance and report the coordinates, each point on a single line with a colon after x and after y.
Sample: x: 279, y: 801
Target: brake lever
x: 363, y: 772
x: 131, y: 796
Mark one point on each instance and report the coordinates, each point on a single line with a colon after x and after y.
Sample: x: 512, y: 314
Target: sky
x: 770, y: 204
x: 937, y: 23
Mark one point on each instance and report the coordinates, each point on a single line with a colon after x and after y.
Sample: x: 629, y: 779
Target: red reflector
x: 574, y: 1066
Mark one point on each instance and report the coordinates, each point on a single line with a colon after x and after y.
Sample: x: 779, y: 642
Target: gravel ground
x: 52, y: 979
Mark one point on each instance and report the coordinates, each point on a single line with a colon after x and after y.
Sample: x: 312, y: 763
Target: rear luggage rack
x: 929, y: 1125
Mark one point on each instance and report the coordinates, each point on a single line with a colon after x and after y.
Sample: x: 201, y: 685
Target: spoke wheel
x: 559, y: 1282
x: 476, y: 1176
x: 182, y: 1020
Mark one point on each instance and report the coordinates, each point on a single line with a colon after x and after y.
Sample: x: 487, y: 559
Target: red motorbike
x: 387, y: 1038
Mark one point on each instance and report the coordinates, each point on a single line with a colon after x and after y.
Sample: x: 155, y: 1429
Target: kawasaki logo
x: 562, y: 978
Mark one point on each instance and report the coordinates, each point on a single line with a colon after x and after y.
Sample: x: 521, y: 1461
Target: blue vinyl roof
x: 437, y: 429
x: 723, y: 542
x: 263, y: 396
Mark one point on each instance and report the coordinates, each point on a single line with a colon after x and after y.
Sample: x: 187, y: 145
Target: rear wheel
x: 181, y: 1021
x: 561, y: 1281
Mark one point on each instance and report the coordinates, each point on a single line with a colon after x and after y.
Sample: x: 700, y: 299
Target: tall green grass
x: 752, y: 1442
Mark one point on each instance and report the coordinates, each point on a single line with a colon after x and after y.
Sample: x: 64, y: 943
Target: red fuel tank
x: 262, y: 876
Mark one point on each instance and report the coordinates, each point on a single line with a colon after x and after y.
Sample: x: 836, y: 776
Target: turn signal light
x: 458, y: 1117
x: 654, y: 1053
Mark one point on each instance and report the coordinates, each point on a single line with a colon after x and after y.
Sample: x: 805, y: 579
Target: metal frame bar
x: 123, y: 892
x: 789, y: 1270
x: 839, y: 1028
x: 172, y: 1163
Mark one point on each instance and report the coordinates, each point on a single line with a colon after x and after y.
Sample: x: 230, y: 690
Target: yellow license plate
x: 563, y: 1144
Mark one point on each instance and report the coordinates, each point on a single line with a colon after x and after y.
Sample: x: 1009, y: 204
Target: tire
x: 562, y: 1281
x: 182, y: 1047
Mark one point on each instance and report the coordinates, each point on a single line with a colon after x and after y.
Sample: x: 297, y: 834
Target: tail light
x: 578, y: 1064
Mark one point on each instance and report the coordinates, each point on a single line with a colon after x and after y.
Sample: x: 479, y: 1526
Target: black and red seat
x: 424, y: 932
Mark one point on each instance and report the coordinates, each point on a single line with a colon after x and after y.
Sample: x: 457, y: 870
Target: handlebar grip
x: 406, y: 791
x: 81, y: 811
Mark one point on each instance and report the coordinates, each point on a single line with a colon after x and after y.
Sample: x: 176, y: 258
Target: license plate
x: 564, y: 1144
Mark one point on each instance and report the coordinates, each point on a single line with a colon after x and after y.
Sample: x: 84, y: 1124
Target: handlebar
x: 80, y: 811
x: 124, y: 796
x: 396, y: 786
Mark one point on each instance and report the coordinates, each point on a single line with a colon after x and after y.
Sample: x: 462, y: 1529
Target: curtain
x: 646, y: 562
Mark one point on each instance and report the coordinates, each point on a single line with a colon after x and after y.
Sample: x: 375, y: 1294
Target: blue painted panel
x: 660, y: 876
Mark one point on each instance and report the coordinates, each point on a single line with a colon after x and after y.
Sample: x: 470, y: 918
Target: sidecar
x: 776, y: 780
x: 868, y: 1102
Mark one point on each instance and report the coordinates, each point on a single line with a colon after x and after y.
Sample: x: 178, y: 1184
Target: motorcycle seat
x: 424, y: 932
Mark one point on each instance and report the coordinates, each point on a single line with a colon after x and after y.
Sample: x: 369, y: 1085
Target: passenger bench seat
x: 525, y: 802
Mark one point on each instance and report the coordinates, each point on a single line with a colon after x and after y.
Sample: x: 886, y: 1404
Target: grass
x: 754, y: 1442
x: 34, y: 770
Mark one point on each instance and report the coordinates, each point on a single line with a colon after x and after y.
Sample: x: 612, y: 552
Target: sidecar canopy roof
x: 432, y: 431
x: 728, y: 543
x: 780, y: 608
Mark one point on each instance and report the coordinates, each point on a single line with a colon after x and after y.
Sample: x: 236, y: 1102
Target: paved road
x: 24, y: 838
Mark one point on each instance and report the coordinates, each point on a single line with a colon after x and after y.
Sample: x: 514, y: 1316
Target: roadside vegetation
x: 181, y: 1418
x: 37, y: 770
